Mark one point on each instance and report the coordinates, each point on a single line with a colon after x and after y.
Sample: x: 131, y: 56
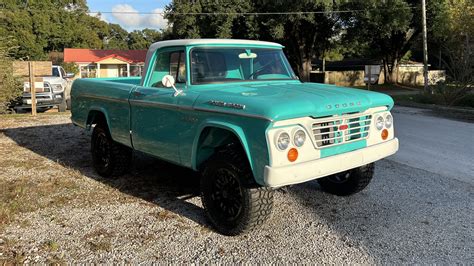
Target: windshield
x: 218, y: 65
x: 55, y: 72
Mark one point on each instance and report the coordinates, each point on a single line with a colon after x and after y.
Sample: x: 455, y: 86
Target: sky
x: 128, y: 21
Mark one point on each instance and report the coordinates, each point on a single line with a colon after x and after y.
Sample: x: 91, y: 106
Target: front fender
x: 235, y: 129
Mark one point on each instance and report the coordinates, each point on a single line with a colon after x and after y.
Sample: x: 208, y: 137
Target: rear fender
x: 96, y: 113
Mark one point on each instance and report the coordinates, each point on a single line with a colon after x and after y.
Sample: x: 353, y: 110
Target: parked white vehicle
x: 55, y: 92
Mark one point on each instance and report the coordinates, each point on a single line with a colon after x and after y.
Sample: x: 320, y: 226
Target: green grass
x: 436, y: 99
x: 391, y: 87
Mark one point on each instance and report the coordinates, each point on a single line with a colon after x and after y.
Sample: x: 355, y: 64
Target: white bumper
x: 302, y: 172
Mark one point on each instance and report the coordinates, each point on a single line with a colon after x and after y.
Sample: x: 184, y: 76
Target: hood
x: 292, y: 99
x: 53, y: 80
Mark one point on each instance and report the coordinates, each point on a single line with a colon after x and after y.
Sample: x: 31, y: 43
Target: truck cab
x: 234, y: 111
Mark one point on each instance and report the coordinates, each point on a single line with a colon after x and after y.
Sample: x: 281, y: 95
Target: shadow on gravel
x: 153, y: 180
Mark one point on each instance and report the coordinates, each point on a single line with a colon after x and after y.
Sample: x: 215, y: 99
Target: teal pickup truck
x: 234, y: 111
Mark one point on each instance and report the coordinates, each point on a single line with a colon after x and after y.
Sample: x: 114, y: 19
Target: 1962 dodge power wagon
x: 235, y: 111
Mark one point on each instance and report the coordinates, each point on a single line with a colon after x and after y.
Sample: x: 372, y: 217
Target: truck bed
x: 107, y: 95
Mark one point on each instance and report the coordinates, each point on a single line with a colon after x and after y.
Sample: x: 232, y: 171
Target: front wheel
x: 110, y: 158
x: 234, y: 203
x: 348, y: 182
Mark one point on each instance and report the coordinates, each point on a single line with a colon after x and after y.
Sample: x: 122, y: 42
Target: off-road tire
x: 62, y: 106
x: 254, y: 202
x: 354, y: 181
x: 68, y: 104
x: 110, y: 159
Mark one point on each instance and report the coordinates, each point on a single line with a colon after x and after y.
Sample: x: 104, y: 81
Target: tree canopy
x: 387, y: 30
x: 38, y: 27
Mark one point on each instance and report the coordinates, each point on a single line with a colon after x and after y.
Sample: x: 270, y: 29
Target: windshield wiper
x: 260, y: 69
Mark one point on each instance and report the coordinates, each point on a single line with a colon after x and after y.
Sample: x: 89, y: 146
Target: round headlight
x: 388, y: 120
x: 299, y: 138
x: 283, y: 141
x: 379, y: 122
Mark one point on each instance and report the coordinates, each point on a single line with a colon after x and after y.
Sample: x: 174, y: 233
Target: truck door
x: 154, y: 110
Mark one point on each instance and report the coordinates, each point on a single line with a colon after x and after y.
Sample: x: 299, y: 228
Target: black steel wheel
x: 234, y: 203
x: 348, y: 182
x: 227, y: 195
x: 110, y: 159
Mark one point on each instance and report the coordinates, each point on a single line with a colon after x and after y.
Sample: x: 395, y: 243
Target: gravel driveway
x: 56, y: 209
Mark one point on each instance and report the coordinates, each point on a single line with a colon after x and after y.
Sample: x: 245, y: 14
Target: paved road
x: 435, y: 144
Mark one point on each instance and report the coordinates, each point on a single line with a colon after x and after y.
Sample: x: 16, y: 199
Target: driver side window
x: 169, y: 63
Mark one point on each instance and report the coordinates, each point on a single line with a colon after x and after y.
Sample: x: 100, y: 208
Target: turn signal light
x: 384, y: 134
x: 292, y: 155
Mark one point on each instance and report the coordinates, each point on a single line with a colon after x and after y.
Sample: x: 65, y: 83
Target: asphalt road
x: 435, y: 144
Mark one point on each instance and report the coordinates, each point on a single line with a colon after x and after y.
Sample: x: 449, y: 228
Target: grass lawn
x: 416, y: 95
x: 437, y: 99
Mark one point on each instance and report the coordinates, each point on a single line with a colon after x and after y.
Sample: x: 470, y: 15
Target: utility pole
x: 425, y: 46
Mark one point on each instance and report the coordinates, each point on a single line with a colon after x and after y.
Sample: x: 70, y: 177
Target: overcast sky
x: 131, y: 21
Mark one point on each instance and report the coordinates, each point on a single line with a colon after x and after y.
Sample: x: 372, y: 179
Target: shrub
x: 70, y: 67
x: 10, y: 87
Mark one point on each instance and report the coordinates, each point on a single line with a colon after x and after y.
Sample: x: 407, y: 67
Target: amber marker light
x: 292, y: 155
x: 384, y: 134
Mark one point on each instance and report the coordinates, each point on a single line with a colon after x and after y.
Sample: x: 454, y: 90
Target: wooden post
x: 31, y: 67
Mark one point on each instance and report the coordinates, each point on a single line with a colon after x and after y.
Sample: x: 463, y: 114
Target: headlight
x: 379, y: 122
x: 388, y: 120
x: 299, y: 138
x: 283, y: 141
x: 57, y: 87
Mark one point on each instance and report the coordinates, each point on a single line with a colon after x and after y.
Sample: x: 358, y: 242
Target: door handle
x: 137, y: 94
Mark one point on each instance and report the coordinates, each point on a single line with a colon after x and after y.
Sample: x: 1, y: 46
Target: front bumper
x: 42, y: 100
x: 302, y: 172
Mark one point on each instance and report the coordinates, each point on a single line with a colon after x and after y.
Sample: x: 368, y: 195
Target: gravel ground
x: 59, y: 210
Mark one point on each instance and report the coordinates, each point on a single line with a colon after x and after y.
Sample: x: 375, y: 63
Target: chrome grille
x: 333, y: 131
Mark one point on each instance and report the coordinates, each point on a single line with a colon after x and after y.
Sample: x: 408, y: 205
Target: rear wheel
x: 110, y: 158
x: 348, y: 182
x: 234, y: 203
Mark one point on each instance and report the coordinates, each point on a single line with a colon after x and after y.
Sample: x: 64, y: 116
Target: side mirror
x: 69, y: 75
x: 168, y: 81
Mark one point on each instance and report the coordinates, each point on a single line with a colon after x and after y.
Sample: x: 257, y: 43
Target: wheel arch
x: 97, y: 115
x: 216, y: 134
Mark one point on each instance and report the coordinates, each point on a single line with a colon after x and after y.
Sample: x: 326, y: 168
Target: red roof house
x: 106, y: 63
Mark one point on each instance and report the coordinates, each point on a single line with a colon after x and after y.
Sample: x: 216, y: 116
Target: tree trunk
x: 305, y: 69
x: 394, y: 72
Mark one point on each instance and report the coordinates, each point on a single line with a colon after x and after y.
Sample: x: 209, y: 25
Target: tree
x: 306, y: 36
x: 453, y: 30
x: 388, y: 27
x: 142, y: 39
x: 10, y: 87
x: 39, y: 27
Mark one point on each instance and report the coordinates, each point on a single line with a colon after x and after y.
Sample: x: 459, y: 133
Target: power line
x: 245, y: 13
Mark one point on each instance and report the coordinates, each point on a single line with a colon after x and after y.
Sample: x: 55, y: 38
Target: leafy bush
x: 10, y: 87
x: 70, y: 67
